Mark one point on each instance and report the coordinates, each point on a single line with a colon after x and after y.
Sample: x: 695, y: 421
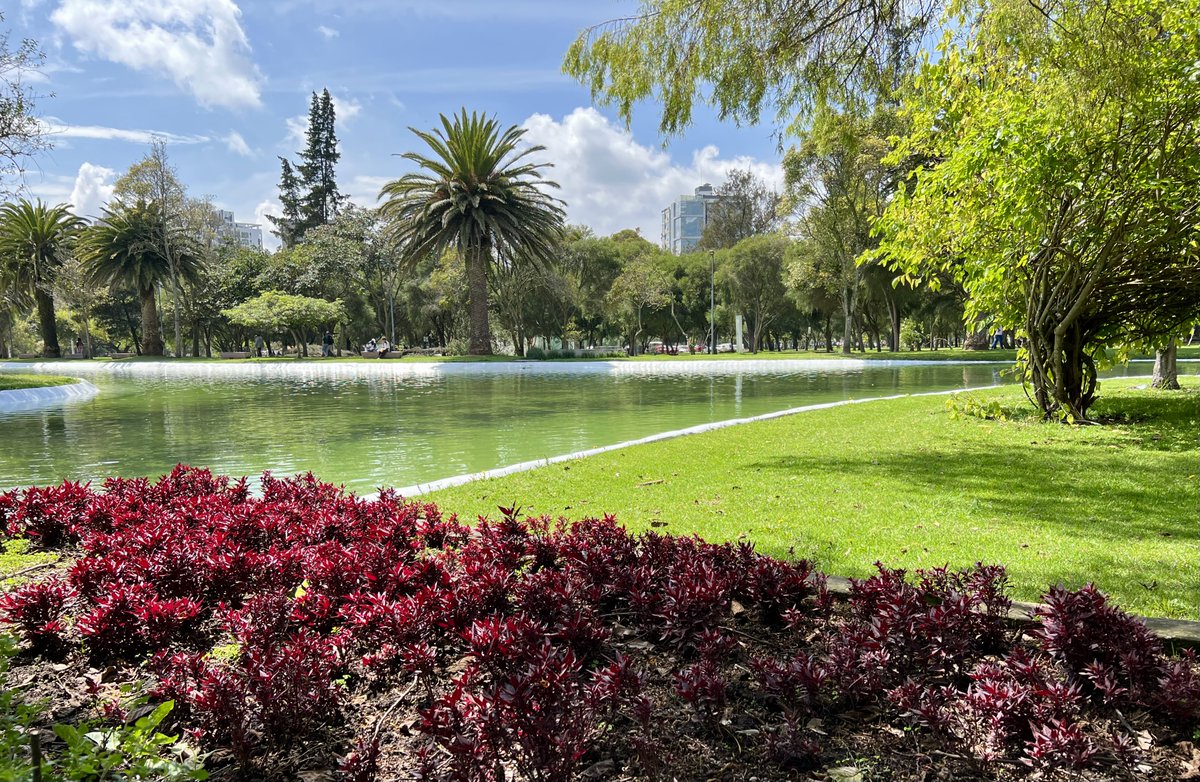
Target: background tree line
x: 786, y: 262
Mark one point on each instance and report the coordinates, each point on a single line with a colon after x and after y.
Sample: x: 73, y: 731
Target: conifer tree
x: 320, y: 199
x: 308, y: 190
x: 287, y: 226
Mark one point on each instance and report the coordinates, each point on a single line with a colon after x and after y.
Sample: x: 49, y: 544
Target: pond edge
x: 22, y: 399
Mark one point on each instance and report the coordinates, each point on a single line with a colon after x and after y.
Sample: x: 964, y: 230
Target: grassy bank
x: 12, y: 382
x: 905, y: 483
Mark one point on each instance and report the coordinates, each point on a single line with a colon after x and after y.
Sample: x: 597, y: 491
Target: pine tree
x: 308, y: 191
x: 287, y: 226
x: 321, y: 199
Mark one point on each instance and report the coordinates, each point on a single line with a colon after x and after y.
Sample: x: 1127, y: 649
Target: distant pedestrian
x: 258, y: 345
x: 78, y: 346
x: 327, y: 345
x: 998, y: 338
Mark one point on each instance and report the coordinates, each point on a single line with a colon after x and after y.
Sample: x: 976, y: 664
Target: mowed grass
x: 12, y: 382
x: 16, y: 559
x: 904, y: 483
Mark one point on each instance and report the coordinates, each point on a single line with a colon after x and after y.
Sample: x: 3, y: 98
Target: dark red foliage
x: 1116, y: 654
x: 36, y: 609
x: 1060, y: 745
x: 702, y: 687
x: 362, y: 763
x: 130, y: 620
x: 258, y: 614
x: 51, y: 515
x: 794, y: 685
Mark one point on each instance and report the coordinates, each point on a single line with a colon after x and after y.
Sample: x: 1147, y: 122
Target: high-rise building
x: 683, y: 222
x: 243, y: 234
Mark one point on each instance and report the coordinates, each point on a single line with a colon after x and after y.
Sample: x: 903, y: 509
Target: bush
x: 541, y: 644
x: 535, y: 353
x: 912, y: 334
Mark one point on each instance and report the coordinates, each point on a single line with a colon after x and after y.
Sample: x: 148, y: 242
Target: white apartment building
x: 244, y: 234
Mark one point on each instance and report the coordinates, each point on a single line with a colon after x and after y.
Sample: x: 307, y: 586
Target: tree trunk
x: 1062, y: 374
x: 847, y: 320
x: 894, y: 321
x: 152, y: 343
x: 45, y: 308
x: 175, y: 295
x: 87, y: 332
x: 1166, y: 371
x: 480, y: 343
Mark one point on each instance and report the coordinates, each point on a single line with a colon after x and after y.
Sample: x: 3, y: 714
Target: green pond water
x: 372, y: 431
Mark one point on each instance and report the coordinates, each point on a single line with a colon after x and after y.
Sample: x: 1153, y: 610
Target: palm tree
x: 33, y: 240
x: 127, y: 246
x: 477, y: 196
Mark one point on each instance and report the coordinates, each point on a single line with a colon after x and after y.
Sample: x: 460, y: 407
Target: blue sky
x: 227, y: 84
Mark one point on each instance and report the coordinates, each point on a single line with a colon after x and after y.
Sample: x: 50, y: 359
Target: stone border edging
x: 20, y: 399
x: 458, y: 480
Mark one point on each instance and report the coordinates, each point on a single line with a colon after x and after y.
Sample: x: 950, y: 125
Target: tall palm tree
x: 33, y: 241
x: 127, y: 246
x: 478, y: 196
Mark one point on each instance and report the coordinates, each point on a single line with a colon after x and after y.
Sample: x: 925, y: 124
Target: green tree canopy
x: 747, y: 56
x: 753, y: 271
x: 308, y: 191
x: 133, y: 245
x: 839, y: 181
x: 274, y: 312
x: 478, y: 195
x: 22, y: 134
x: 1061, y: 192
x: 34, y: 240
x: 746, y: 207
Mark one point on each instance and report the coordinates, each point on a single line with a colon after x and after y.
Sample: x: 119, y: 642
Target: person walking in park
x: 998, y: 338
x: 258, y: 345
x: 327, y: 344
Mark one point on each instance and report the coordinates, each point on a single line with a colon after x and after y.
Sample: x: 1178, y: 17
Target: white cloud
x: 297, y: 130
x: 268, y: 206
x: 364, y: 189
x: 237, y: 144
x: 93, y: 188
x: 344, y: 108
x: 59, y: 129
x: 327, y: 32
x: 200, y: 44
x: 611, y: 182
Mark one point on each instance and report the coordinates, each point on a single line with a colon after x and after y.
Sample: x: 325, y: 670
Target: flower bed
x: 307, y: 628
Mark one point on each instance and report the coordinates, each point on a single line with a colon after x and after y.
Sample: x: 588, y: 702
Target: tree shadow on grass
x: 1097, y: 516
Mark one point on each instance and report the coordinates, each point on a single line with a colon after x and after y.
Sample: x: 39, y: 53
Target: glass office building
x: 683, y: 221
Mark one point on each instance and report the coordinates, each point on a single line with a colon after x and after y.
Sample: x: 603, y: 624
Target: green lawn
x: 10, y: 382
x: 905, y: 483
x: 16, y: 558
